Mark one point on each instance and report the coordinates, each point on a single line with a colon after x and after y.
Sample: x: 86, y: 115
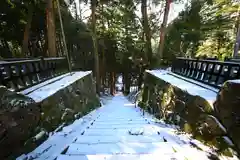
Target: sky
x: 174, y: 10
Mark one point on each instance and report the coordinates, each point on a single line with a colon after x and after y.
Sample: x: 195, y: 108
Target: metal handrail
x: 210, y: 72
x: 21, y: 74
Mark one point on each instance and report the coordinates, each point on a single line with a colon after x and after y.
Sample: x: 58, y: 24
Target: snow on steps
x: 123, y: 157
x: 120, y: 148
x: 120, y: 139
x: 122, y: 133
x: 118, y: 131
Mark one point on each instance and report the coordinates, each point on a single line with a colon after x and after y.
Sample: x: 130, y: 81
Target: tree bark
x: 163, y: 28
x: 237, y: 43
x: 27, y: 30
x: 7, y: 52
x: 103, y: 65
x: 80, y: 10
x: 61, y: 44
x: 147, y: 33
x: 95, y: 44
x: 51, y: 30
x: 75, y: 7
x: 112, y: 81
x: 236, y: 46
x: 127, y: 82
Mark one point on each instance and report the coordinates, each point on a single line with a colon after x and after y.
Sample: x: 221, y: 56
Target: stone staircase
x: 121, y: 132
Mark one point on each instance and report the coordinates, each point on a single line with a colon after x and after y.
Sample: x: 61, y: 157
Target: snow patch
x: 191, y: 88
x: 228, y: 141
x: 219, y: 124
x: 48, y: 88
x: 136, y: 131
x: 234, y: 81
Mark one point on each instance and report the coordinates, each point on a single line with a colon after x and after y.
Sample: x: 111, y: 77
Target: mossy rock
x: 19, y: 117
x: 179, y: 106
x: 194, y: 114
x: 210, y: 126
x: 68, y: 115
x: 187, y: 128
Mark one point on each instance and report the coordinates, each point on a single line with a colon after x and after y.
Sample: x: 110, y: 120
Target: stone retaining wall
x: 194, y: 114
x: 227, y: 108
x: 24, y: 124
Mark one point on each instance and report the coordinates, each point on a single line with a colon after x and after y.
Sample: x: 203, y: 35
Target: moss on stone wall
x: 227, y: 107
x: 22, y: 120
x: 19, y: 117
x: 192, y: 113
x: 72, y: 101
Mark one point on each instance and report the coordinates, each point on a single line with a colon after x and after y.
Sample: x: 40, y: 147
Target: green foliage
x: 203, y: 29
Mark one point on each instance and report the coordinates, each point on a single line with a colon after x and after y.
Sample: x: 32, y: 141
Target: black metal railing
x: 22, y: 74
x: 210, y: 72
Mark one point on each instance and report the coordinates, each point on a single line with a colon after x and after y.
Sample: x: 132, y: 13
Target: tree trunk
x: 140, y: 78
x: 75, y: 8
x: 7, y: 52
x: 61, y: 44
x: 103, y: 65
x: 236, y: 46
x: 80, y: 10
x: 146, y: 28
x: 237, y: 43
x: 127, y: 82
x: 45, y: 40
x: 51, y: 30
x: 27, y: 30
x: 112, y: 81
x: 95, y: 44
x: 163, y: 28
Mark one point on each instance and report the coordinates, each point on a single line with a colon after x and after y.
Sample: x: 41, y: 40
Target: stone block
x: 19, y: 116
x: 194, y: 114
x: 25, y: 124
x: 227, y: 108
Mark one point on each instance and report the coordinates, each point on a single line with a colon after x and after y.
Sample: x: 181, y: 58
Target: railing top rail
x: 55, y: 58
x: 210, y: 72
x: 19, y: 62
x: 30, y: 60
x: 22, y: 74
x: 211, y: 61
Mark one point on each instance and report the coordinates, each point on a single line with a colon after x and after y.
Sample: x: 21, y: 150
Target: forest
x: 115, y: 38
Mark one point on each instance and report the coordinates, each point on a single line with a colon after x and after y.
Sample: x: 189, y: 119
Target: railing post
x: 22, y: 74
x: 227, y: 75
x: 1, y: 75
x: 42, y: 69
x: 218, y: 75
x: 207, y: 71
x: 211, y: 73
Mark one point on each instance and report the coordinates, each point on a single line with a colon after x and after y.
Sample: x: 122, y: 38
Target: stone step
x: 119, y: 126
x: 123, y: 157
x: 106, y: 119
x: 121, y: 148
x: 113, y: 139
x: 119, y: 122
x: 147, y: 130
